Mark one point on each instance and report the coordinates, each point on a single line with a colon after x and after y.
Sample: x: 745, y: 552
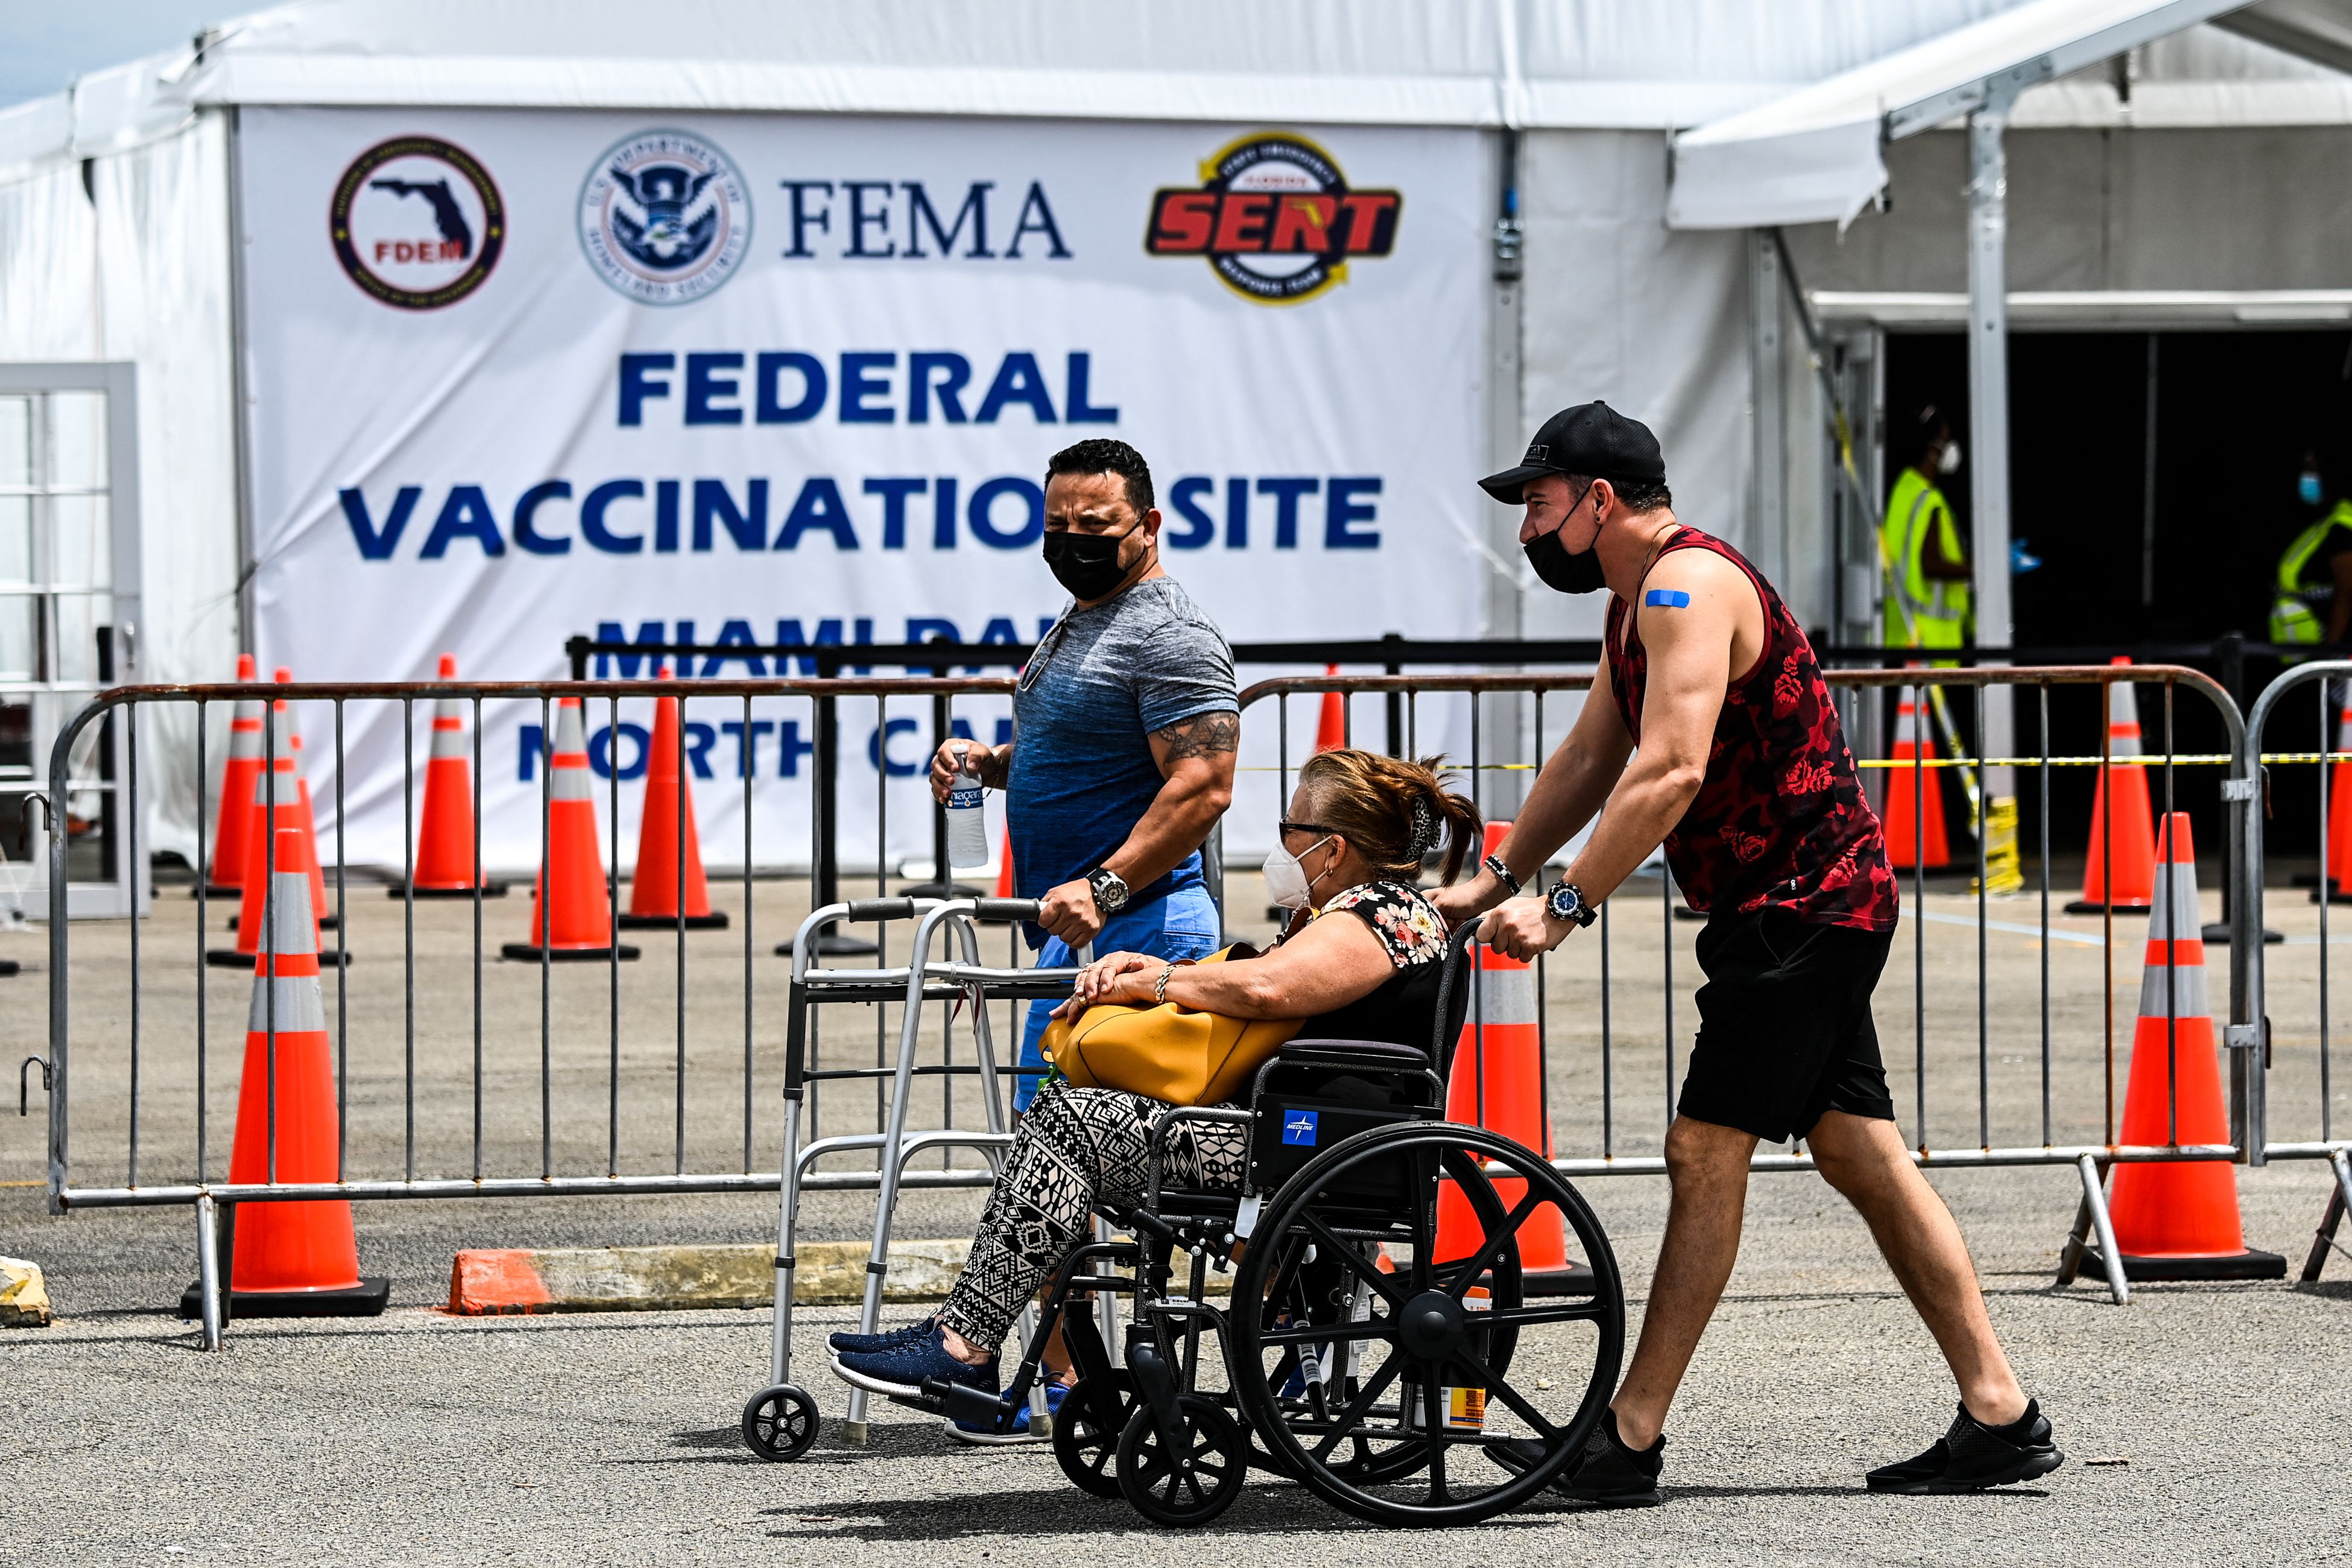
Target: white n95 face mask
x: 1285, y: 879
x: 1949, y: 463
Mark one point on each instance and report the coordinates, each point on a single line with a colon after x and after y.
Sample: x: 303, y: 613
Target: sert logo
x: 1298, y: 1126
x: 665, y: 217
x: 417, y: 223
x: 1276, y: 218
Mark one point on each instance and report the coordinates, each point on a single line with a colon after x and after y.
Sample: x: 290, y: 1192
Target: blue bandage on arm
x: 1668, y: 598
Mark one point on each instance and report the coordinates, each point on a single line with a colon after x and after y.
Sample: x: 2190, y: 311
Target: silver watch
x: 1109, y: 890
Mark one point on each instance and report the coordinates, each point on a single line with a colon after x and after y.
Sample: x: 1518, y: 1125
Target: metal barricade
x: 1604, y: 1091
x: 532, y: 1097
x: 2298, y: 1024
x: 458, y: 1077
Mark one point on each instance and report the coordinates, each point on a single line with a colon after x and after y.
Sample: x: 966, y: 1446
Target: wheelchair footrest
x: 960, y: 1402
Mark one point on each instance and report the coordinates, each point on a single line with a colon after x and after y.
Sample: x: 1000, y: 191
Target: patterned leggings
x: 1075, y: 1148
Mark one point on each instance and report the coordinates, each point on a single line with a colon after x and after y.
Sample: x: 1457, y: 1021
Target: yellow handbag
x: 1167, y: 1052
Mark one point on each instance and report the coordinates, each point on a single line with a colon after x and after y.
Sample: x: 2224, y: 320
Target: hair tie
x: 1425, y: 828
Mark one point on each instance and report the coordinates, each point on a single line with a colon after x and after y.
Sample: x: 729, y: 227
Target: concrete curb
x: 492, y: 1281
x: 664, y: 1278
x: 24, y: 1295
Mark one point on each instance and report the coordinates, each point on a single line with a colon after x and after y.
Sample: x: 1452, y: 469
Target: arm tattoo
x: 1205, y: 735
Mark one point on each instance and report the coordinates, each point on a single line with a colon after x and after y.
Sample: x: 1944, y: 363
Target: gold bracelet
x: 1159, y: 991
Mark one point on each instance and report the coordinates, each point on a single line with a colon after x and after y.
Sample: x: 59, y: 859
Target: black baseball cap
x: 1592, y: 439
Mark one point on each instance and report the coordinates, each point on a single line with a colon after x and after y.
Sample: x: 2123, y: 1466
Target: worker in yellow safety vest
x: 2313, y: 596
x: 1927, y: 574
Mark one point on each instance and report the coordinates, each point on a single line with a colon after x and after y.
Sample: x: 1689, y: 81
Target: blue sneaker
x: 989, y: 1437
x: 902, y: 1369
x: 866, y: 1344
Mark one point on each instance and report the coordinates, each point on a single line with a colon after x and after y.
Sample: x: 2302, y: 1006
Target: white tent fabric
x: 136, y: 268
x: 1558, y: 63
x: 1813, y: 156
x: 1653, y: 320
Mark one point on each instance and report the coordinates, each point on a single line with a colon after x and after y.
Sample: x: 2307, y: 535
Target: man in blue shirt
x: 1125, y: 726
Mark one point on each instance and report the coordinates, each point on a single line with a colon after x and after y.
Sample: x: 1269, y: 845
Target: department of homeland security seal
x: 665, y: 217
x: 1276, y: 218
x: 417, y: 222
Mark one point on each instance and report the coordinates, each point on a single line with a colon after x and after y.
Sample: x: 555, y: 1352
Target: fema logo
x: 417, y: 222
x: 1299, y: 1126
x: 1276, y: 218
x: 665, y: 217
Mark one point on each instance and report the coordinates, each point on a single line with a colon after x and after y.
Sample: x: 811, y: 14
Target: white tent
x: 1640, y: 152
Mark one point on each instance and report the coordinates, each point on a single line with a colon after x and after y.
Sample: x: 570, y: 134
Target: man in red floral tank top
x: 1742, y: 774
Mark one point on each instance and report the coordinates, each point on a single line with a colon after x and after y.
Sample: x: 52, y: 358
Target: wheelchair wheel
x: 1193, y: 1482
x: 1086, y: 1438
x: 781, y: 1422
x: 1432, y: 1381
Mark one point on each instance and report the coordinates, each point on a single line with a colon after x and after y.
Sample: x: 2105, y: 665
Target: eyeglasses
x: 1314, y: 827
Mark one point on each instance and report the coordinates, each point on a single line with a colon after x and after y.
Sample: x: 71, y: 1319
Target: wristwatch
x: 1566, y: 902
x: 1502, y: 873
x: 1109, y: 890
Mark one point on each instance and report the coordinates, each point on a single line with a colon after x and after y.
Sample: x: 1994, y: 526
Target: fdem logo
x: 417, y: 222
x: 1276, y: 218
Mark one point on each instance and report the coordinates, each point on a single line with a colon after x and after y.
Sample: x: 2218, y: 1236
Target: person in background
x: 1125, y: 725
x: 1927, y: 572
x: 2312, y: 599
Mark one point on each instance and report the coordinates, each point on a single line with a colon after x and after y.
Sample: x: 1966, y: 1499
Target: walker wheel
x: 1086, y: 1443
x: 780, y: 1425
x: 1198, y: 1479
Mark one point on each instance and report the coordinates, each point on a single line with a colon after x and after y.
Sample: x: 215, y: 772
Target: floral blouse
x: 1407, y: 923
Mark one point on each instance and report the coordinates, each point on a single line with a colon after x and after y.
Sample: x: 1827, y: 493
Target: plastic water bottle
x: 967, y: 821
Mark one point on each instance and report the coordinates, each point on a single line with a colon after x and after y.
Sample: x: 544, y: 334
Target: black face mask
x: 1560, y: 571
x: 1086, y: 564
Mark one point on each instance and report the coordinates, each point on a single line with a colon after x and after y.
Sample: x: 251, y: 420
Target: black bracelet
x: 1502, y: 873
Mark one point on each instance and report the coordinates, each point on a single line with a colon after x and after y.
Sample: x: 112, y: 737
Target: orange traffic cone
x: 234, y: 820
x: 572, y: 877
x: 1496, y: 1082
x: 292, y: 1260
x: 1331, y: 726
x: 278, y: 781
x: 2121, y: 824
x: 2179, y: 1221
x: 1914, y: 819
x: 1005, y: 866
x: 669, y: 851
x: 327, y: 918
x: 2338, y: 870
x: 445, y: 867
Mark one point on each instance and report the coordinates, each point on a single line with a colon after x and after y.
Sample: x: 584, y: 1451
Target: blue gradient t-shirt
x: 1101, y: 681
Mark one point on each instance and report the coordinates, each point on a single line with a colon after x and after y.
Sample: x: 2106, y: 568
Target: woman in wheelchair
x: 1361, y: 958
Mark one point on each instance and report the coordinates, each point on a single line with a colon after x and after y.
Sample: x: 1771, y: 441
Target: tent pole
x: 1988, y: 409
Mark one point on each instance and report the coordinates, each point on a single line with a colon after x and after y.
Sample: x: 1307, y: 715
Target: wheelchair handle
x: 1457, y: 963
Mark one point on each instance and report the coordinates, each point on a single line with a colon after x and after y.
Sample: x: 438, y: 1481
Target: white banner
x: 519, y: 375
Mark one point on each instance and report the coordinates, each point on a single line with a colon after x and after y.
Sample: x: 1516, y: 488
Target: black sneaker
x: 900, y: 1369
x: 1608, y: 1474
x: 1972, y: 1457
x: 889, y: 1339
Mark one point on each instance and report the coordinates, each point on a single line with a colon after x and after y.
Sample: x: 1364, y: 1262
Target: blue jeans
x: 1182, y: 925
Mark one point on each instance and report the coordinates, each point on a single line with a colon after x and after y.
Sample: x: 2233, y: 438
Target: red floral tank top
x: 1780, y: 820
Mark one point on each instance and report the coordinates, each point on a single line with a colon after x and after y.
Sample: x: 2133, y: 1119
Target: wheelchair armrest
x: 1360, y: 1053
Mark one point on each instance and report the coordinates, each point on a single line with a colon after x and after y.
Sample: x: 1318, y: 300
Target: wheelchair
x: 1381, y: 1344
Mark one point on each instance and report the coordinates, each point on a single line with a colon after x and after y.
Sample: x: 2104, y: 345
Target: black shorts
x: 1785, y: 1031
